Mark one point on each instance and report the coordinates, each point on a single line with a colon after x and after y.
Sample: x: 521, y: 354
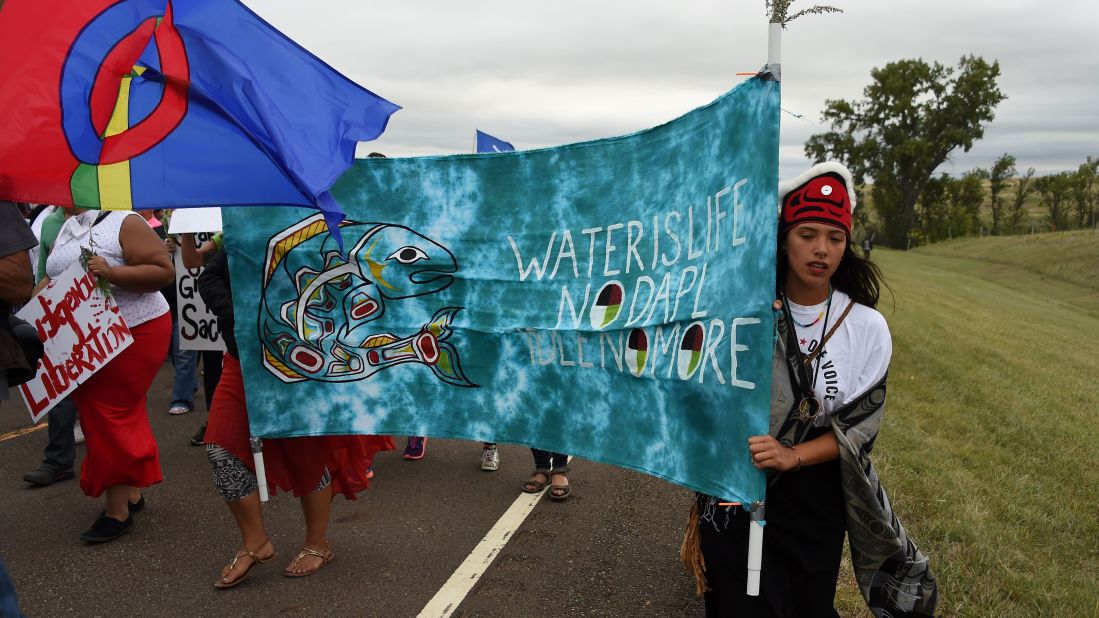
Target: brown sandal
x: 326, y: 556
x: 222, y: 584
x: 560, y: 492
x: 532, y: 485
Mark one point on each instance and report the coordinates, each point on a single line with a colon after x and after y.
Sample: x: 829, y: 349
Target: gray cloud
x: 552, y: 73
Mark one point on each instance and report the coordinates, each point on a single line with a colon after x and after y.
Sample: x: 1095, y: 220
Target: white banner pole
x: 261, y: 472
x: 755, y: 549
x: 774, y: 43
x: 755, y: 527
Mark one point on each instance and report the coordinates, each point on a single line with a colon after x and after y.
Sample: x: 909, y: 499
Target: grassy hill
x: 989, y: 447
x: 1071, y: 257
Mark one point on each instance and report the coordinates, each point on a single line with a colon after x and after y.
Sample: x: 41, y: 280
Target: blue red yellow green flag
x: 140, y: 104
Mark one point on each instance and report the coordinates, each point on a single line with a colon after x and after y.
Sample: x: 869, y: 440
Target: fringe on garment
x: 690, y: 552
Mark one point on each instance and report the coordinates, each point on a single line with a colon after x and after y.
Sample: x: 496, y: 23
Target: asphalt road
x: 611, y: 550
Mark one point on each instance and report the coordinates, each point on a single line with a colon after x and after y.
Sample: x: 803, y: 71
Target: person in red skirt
x: 313, y: 468
x: 121, y: 455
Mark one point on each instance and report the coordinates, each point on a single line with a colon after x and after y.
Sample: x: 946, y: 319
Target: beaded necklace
x: 820, y: 315
x: 810, y: 405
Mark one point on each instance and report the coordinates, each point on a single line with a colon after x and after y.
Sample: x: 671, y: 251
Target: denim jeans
x: 185, y: 363
x: 61, y: 446
x: 9, y: 603
x: 544, y: 459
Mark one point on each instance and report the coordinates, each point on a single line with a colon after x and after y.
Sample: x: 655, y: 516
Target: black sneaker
x: 199, y: 438
x: 47, y: 475
x: 107, y: 529
x: 136, y: 507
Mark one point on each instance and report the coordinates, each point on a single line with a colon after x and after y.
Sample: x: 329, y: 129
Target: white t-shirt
x: 81, y: 231
x: 854, y: 359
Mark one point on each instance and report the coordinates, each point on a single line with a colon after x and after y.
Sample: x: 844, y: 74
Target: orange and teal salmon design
x: 320, y: 310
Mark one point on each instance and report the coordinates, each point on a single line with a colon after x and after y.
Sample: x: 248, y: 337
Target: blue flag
x: 488, y: 143
x: 609, y: 299
x: 171, y: 103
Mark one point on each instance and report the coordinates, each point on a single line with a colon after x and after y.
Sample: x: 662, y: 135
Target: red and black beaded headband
x: 822, y: 194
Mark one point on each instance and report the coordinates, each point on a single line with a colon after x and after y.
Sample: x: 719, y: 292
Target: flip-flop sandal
x: 532, y: 485
x: 560, y: 492
x: 326, y: 556
x: 221, y: 584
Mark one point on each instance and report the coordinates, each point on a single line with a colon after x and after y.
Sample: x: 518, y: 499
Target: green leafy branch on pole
x: 101, y: 283
x: 780, y: 11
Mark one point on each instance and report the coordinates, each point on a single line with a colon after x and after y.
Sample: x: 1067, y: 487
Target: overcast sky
x: 548, y: 73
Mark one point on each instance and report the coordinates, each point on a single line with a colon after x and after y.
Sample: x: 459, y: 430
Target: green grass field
x: 1069, y: 257
x: 988, y: 450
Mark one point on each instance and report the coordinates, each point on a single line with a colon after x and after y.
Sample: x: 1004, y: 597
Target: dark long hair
x: 856, y: 276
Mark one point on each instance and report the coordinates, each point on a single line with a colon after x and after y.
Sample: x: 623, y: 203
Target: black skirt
x: 802, y: 548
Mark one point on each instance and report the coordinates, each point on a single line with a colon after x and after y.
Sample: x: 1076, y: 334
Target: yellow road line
x: 19, y: 432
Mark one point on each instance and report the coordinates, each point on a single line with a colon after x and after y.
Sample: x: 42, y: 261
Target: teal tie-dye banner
x: 609, y: 299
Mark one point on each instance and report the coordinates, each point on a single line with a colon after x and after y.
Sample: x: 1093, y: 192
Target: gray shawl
x: 893, y: 575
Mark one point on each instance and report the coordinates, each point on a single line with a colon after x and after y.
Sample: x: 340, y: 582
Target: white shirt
x: 36, y: 227
x: 81, y: 231
x: 854, y: 359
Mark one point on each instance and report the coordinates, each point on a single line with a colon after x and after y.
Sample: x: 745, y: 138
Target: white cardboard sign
x: 81, y: 331
x: 198, y: 326
x: 186, y: 220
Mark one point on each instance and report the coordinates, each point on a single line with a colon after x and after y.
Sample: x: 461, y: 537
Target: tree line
x: 912, y: 116
x: 993, y: 201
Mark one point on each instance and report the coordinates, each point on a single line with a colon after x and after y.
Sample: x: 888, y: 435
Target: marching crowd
x: 134, y: 253
x: 822, y: 421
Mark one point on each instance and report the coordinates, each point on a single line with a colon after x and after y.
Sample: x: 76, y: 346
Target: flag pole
x: 755, y: 526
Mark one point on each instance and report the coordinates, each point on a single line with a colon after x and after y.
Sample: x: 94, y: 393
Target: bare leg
x: 559, y: 478
x: 559, y: 484
x: 249, y: 517
x: 316, y: 507
x: 118, y: 500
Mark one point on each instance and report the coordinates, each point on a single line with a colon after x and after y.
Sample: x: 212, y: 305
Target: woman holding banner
x: 123, y: 251
x: 314, y: 468
x: 831, y: 358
